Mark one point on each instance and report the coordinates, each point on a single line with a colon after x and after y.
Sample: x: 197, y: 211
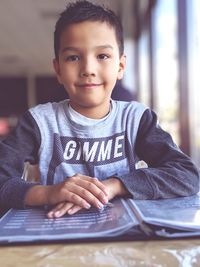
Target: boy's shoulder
x: 48, y: 108
x: 129, y: 111
x: 130, y: 106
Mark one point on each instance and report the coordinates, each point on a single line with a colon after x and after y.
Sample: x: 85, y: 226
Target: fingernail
x: 105, y: 200
x: 100, y: 205
x: 70, y: 211
x: 57, y: 213
x: 87, y: 206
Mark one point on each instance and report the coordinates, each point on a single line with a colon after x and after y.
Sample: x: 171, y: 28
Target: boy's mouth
x: 89, y: 85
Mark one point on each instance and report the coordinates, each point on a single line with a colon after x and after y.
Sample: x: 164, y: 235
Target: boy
x: 88, y: 147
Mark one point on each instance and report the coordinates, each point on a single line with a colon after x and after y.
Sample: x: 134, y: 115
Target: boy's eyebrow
x: 104, y: 46
x: 76, y: 49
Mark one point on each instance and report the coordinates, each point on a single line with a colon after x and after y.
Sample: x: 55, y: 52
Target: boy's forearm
x: 37, y: 196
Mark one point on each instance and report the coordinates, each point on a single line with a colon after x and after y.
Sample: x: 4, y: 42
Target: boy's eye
x: 72, y: 58
x: 102, y: 56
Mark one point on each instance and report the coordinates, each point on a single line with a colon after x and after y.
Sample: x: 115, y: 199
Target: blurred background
x: 162, y: 44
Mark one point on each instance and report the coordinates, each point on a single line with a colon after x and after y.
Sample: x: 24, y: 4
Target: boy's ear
x: 57, y: 69
x: 122, y: 65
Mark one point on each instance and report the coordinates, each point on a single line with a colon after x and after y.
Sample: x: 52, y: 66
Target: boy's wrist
x: 115, y: 187
x: 120, y: 188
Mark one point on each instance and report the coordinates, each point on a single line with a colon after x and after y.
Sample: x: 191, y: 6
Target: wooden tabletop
x: 172, y: 253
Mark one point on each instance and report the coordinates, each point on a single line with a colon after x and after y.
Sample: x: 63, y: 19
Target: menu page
x: 32, y: 224
x: 181, y: 213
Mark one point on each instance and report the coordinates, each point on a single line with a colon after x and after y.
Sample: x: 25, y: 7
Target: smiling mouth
x: 89, y: 85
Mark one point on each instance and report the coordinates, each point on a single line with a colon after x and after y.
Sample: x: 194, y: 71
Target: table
x: 172, y: 253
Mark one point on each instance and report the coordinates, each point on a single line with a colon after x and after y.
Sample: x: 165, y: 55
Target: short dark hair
x: 83, y: 10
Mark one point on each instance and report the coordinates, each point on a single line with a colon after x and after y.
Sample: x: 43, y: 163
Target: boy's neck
x: 93, y: 112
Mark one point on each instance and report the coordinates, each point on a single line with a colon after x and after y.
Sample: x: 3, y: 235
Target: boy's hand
x: 114, y: 187
x: 81, y: 190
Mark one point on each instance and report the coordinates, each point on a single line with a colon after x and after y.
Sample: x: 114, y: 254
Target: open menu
x: 32, y: 224
x: 178, y: 217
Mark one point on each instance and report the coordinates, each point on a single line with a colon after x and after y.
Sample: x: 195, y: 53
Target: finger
x: 59, y: 210
x: 66, y: 210
x: 93, y: 180
x: 92, y: 186
x: 96, y: 187
x: 73, y: 195
x: 74, y: 209
x: 100, y: 185
x: 80, y: 195
x: 66, y: 191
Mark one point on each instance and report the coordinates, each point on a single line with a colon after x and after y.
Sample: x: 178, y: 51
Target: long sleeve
x: 22, y: 145
x: 170, y: 172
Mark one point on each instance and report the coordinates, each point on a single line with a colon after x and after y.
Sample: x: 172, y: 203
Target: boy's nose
x: 85, y: 74
x: 88, y: 69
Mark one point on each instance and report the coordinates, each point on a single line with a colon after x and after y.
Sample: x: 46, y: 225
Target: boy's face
x: 89, y: 65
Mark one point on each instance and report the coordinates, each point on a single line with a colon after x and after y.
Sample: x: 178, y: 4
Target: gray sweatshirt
x: 47, y: 135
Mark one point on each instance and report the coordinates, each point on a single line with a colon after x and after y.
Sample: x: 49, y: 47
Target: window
x: 193, y: 7
x: 166, y: 66
x: 144, y: 82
